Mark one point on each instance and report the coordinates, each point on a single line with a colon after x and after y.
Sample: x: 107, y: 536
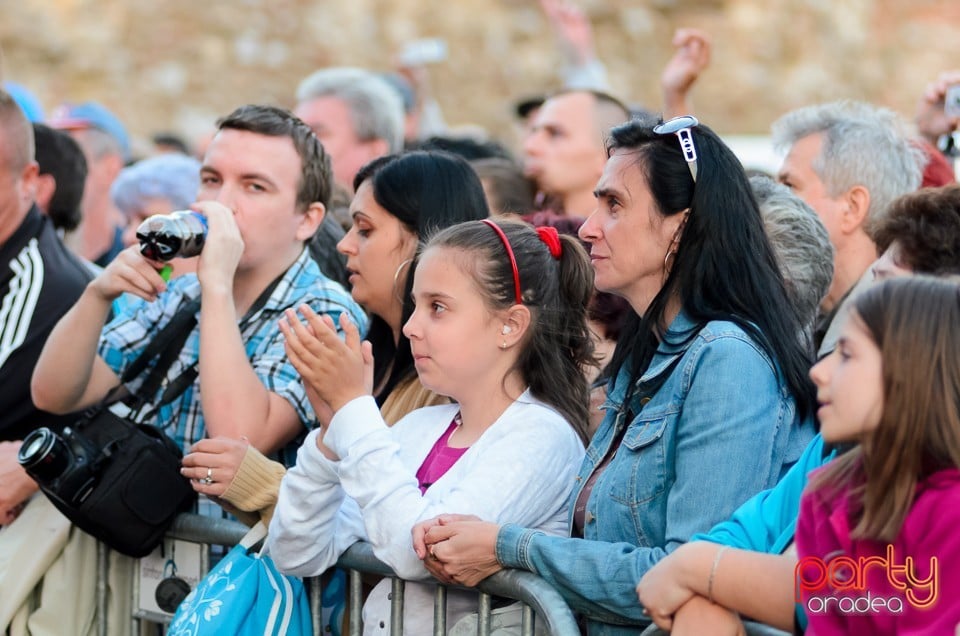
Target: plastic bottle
x: 178, y: 234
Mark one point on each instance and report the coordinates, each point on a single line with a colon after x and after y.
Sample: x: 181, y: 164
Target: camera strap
x: 167, y: 344
x: 170, y: 344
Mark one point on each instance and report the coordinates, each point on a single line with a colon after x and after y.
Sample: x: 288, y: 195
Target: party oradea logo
x: 838, y: 584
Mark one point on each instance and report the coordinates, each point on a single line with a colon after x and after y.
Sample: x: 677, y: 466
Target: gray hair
x: 801, y: 244
x: 173, y: 177
x: 376, y: 108
x: 862, y: 145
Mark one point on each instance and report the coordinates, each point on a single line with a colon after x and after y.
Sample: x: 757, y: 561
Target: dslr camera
x: 66, y: 465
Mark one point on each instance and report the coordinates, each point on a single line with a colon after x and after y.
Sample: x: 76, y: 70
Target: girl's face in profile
x: 850, y: 385
x: 453, y: 336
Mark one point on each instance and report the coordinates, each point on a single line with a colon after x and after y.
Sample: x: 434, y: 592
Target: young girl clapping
x: 499, y: 327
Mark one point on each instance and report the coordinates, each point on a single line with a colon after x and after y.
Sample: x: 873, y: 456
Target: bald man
x: 565, y: 151
x: 39, y: 281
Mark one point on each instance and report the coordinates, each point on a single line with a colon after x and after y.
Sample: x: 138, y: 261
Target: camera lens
x: 44, y: 455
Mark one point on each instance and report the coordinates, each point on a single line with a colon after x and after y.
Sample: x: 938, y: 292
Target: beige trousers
x: 48, y: 578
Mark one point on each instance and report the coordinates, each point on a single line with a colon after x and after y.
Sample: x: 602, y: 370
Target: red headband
x: 513, y: 260
x: 551, y: 239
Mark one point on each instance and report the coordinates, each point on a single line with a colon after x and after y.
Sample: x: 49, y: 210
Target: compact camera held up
x: 167, y: 236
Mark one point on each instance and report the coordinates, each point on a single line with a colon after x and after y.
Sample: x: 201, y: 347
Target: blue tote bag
x: 246, y: 595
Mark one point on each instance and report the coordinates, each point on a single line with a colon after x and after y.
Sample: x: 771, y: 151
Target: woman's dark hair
x: 557, y: 344
x: 724, y: 267
x: 426, y: 192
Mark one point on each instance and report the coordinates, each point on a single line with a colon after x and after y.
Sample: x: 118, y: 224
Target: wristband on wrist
x: 713, y: 571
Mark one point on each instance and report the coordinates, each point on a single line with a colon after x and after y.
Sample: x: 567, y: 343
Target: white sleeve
x: 313, y: 523
x: 523, y: 474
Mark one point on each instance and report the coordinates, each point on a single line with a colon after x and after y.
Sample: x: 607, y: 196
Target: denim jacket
x: 721, y: 427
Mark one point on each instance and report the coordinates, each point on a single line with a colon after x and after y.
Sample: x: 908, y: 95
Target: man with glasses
x: 848, y: 161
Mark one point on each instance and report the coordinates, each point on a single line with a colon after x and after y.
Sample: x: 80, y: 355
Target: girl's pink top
x: 440, y: 458
x: 858, y: 586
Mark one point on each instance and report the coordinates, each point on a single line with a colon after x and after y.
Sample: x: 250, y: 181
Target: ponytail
x: 556, y: 283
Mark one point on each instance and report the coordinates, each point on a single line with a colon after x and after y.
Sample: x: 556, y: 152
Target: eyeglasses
x: 681, y: 127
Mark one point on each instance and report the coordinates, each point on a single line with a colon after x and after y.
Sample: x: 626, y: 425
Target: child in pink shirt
x: 877, y: 538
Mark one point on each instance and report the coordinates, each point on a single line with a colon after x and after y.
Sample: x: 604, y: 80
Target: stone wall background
x: 178, y: 64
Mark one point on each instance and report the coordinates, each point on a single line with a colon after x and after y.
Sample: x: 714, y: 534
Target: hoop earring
x: 675, y: 243
x: 667, y: 267
x: 398, y: 293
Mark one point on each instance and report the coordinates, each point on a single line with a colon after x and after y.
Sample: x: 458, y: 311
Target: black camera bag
x: 139, y: 489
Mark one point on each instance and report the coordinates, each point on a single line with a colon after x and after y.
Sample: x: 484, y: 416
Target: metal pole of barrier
x: 524, y: 586
x: 137, y: 624
x: 103, y: 571
x: 440, y: 611
x: 315, y: 586
x: 356, y: 602
x: 396, y: 606
x: 527, y: 623
x: 483, y: 615
x: 200, y: 529
x: 552, y: 612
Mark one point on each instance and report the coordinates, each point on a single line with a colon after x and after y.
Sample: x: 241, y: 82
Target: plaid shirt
x: 125, y: 337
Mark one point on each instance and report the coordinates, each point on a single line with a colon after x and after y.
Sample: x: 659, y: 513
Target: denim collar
x: 675, y: 344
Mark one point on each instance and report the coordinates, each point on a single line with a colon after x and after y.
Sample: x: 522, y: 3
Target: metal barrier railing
x: 540, y: 600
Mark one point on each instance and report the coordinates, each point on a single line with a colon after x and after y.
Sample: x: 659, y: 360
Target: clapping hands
x: 334, y: 371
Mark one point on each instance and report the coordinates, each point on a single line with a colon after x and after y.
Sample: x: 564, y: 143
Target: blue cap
x: 27, y: 101
x: 91, y: 115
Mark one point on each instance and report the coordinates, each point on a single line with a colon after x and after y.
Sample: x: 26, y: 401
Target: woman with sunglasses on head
x: 709, y: 402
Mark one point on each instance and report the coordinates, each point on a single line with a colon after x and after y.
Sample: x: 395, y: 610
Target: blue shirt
x: 767, y: 522
x: 125, y: 337
x: 722, y: 427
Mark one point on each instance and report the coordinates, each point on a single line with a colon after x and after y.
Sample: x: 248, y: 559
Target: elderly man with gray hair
x: 848, y: 161
x: 356, y: 114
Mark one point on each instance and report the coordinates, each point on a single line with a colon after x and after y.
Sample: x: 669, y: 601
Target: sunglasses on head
x: 682, y: 127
